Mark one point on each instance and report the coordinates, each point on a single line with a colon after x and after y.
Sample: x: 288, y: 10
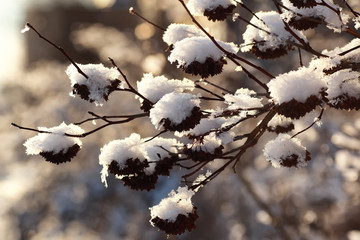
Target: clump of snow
x: 25, y: 29
x: 343, y: 82
x: 280, y: 120
x: 282, y: 147
x: 134, y: 147
x: 197, y: 7
x: 357, y: 22
x: 198, y: 49
x: 299, y: 85
x: 176, y: 203
x: 323, y: 12
x: 158, y: 149
x: 209, y: 144
x: 55, y: 141
x: 210, y: 126
x: 200, y: 179
x: 206, y: 125
x: 154, y: 88
x: 119, y: 151
x: 280, y: 124
x: 243, y: 99
x: 98, y: 81
x: 336, y: 55
x: 176, y: 32
x: 269, y: 22
x: 173, y: 106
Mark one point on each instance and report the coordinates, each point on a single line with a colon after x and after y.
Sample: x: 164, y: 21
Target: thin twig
x: 233, y: 57
x: 131, y: 88
x: 162, y: 132
x: 312, y: 124
x: 208, y: 91
x: 133, y: 12
x: 58, y: 48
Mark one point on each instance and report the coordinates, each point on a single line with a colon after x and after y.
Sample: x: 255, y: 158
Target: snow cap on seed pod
x: 176, y: 32
x: 136, y: 162
x: 206, y: 148
x: 96, y: 88
x: 243, y: 98
x: 176, y: 112
x: 344, y: 89
x: 55, y: 146
x: 155, y: 87
x: 176, y: 213
x: 272, y: 40
x: 285, y: 151
x: 200, y: 56
x: 280, y: 124
x: 311, y: 13
x: 297, y: 92
x: 338, y: 58
x: 213, y: 9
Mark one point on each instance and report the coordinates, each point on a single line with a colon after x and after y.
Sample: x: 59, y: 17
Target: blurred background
x: 39, y: 200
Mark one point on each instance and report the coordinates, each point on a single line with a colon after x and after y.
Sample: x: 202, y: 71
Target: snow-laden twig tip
x: 25, y: 29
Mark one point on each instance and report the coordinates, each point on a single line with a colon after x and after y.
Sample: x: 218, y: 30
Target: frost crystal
x: 177, y: 32
x: 198, y: 49
x: 55, y: 141
x: 154, y: 88
x: 173, y: 106
x: 285, y: 151
x: 99, y: 84
x: 176, y: 203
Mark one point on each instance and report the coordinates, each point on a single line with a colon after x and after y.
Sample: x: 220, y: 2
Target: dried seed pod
x: 199, y: 155
x: 101, y: 81
x: 63, y: 156
x: 280, y: 124
x: 293, y: 160
x: 54, y: 145
x: 140, y: 181
x: 84, y: 92
x: 208, y: 68
x: 343, y: 89
x: 286, y: 151
x: 219, y: 13
x: 345, y: 102
x: 176, y: 213
x: 305, y: 23
x: 188, y: 123
x: 270, y: 53
x: 295, y: 109
x: 179, y: 226
x: 164, y: 166
x: 304, y: 3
